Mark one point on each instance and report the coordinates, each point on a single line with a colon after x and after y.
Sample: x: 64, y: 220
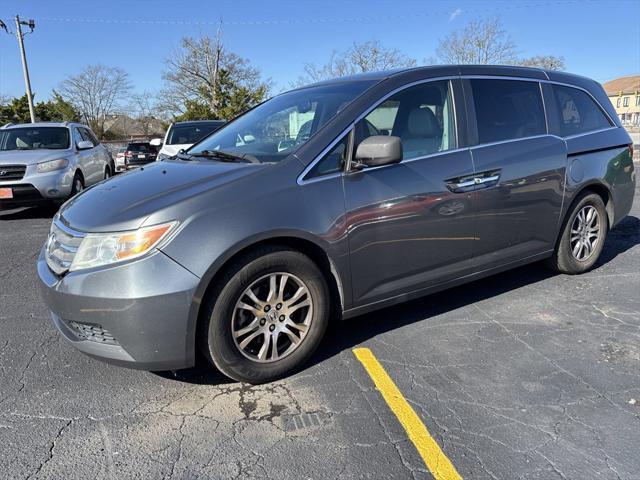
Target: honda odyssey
x: 331, y: 201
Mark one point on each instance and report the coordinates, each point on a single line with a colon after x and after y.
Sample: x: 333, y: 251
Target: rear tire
x: 253, y: 330
x: 583, y: 236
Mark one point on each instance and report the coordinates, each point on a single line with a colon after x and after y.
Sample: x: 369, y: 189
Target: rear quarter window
x: 576, y: 112
x: 507, y: 109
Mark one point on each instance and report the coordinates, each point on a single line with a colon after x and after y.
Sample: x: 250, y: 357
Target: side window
x: 77, y: 133
x: 88, y: 135
x: 577, y: 112
x: 422, y: 116
x: 333, y: 161
x: 507, y: 109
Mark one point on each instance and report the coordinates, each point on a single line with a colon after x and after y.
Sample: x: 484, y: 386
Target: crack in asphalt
x: 50, y: 453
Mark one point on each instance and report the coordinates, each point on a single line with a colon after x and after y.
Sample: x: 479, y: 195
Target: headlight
x: 99, y: 249
x: 52, y: 165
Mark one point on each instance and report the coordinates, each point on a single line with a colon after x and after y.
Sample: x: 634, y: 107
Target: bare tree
x: 204, y: 76
x: 360, y: 57
x: 96, y: 92
x: 549, y: 62
x: 144, y: 109
x: 486, y: 42
x: 480, y: 42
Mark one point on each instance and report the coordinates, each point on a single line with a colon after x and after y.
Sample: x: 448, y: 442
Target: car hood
x: 171, y: 150
x: 124, y: 202
x: 30, y: 157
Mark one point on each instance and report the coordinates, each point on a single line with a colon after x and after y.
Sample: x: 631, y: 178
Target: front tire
x: 267, y: 316
x: 77, y: 185
x: 583, y: 236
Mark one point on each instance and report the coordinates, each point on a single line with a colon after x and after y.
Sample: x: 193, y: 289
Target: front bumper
x: 37, y: 187
x: 136, y: 314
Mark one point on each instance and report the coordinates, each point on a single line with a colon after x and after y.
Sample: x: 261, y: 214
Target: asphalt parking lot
x: 523, y: 375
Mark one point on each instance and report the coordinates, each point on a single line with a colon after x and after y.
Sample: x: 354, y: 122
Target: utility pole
x: 25, y: 69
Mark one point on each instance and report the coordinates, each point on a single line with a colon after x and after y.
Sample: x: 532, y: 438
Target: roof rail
x: 7, y: 125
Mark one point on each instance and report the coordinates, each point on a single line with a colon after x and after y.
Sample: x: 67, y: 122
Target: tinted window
x: 422, y: 116
x: 333, y: 161
x: 507, y: 109
x: 190, y: 134
x: 34, y: 138
x: 140, y: 147
x: 577, y: 112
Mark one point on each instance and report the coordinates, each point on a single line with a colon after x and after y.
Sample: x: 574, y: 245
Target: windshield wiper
x: 219, y: 154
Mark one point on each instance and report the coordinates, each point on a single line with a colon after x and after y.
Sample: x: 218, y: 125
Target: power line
x: 315, y: 20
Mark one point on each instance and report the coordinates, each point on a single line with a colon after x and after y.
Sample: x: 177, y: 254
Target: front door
x: 410, y: 225
x: 519, y: 172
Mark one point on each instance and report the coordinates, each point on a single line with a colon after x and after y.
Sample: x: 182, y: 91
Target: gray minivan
x: 331, y: 201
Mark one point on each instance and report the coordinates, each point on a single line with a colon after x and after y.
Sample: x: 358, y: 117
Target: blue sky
x: 599, y: 39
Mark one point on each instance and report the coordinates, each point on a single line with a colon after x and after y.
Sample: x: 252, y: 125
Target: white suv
x: 181, y: 135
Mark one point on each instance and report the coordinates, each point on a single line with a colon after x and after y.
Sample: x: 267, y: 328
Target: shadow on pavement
x: 624, y: 236
x: 29, y: 213
x: 201, y: 374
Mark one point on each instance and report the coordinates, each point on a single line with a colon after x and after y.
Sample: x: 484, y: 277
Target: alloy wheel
x: 272, y: 317
x: 585, y: 233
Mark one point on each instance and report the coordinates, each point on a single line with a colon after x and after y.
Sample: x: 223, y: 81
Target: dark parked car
x: 139, y: 153
x: 404, y: 183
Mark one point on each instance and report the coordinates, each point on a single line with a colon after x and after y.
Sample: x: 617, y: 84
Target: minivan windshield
x: 34, y: 138
x: 276, y: 128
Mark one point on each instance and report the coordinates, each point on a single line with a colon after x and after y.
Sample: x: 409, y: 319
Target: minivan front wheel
x: 583, y: 236
x: 268, y: 316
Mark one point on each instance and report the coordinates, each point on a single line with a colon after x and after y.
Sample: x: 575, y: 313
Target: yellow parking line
x: 434, y: 458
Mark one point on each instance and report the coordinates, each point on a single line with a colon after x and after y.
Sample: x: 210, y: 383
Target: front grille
x: 93, y: 333
x: 62, y: 245
x: 12, y: 172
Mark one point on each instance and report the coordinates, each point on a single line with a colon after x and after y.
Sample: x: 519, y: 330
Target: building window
x: 637, y: 100
x: 618, y: 102
x: 625, y: 103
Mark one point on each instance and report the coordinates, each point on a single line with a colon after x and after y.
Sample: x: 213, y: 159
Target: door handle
x: 467, y: 183
x: 460, y: 184
x: 481, y: 180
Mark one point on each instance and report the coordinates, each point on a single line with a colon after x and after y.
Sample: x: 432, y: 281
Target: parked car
x: 120, y: 162
x: 43, y: 162
x: 181, y: 135
x: 138, y: 154
x: 408, y: 182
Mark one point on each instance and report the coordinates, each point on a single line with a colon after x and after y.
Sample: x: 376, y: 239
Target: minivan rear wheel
x: 583, y: 236
x: 267, y: 317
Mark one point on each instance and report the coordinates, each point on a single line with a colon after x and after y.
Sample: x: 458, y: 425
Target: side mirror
x: 156, y: 142
x: 378, y: 150
x: 84, y: 145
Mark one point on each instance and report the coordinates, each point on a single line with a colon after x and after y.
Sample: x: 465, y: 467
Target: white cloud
x: 454, y: 14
